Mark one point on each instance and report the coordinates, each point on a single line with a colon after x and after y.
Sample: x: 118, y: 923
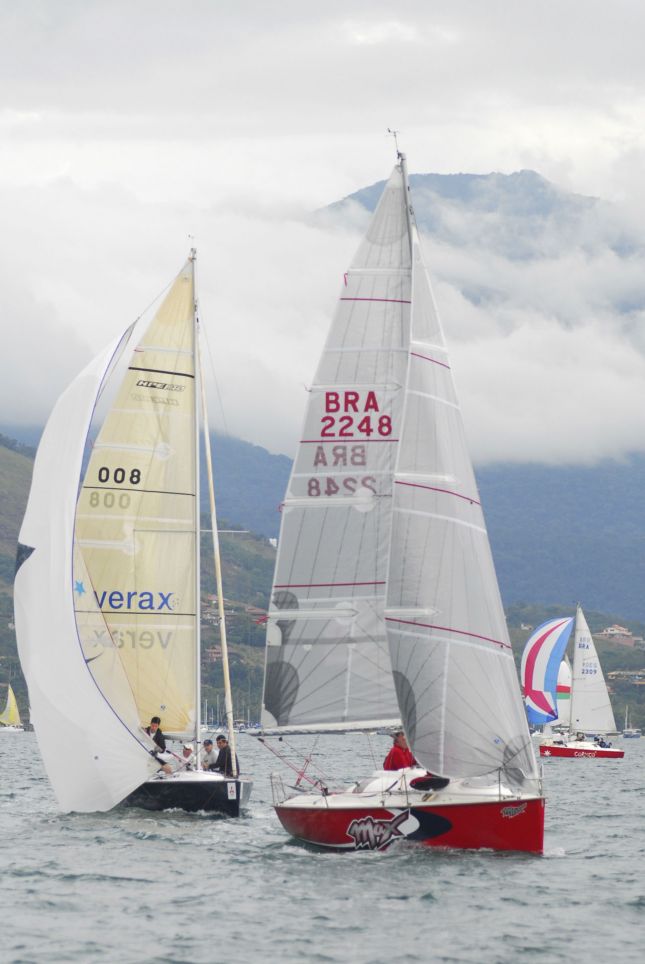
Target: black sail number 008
x: 119, y: 476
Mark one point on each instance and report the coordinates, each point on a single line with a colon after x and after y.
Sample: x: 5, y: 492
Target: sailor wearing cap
x: 187, y: 757
x: 209, y: 755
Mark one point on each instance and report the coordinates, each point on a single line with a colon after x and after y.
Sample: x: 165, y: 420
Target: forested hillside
x: 559, y: 535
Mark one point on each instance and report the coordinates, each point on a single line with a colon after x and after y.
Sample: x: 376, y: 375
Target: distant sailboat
x: 630, y: 732
x: 10, y: 721
x: 107, y: 589
x: 590, y: 706
x: 541, y: 667
x: 385, y: 603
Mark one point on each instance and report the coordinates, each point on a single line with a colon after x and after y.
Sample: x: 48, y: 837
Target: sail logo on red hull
x: 371, y: 834
x: 511, y: 812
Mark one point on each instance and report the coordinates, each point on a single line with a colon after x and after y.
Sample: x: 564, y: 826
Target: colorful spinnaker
x: 541, y: 660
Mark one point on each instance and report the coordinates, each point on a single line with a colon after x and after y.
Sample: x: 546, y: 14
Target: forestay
x: 93, y: 751
x: 327, y: 661
x: 135, y: 565
x: 590, y: 704
x: 453, y: 666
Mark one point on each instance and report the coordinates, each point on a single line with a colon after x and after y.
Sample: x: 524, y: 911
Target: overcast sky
x: 125, y: 128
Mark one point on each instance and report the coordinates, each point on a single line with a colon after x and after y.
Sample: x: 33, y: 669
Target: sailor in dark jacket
x: 154, y: 730
x: 224, y: 762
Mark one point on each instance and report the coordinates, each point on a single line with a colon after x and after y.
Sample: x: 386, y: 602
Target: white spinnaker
x: 327, y: 661
x: 91, y: 757
x: 136, y: 520
x: 590, y: 704
x: 452, y: 662
x: 563, y: 696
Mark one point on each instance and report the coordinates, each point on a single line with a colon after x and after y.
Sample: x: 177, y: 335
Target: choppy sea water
x: 129, y: 886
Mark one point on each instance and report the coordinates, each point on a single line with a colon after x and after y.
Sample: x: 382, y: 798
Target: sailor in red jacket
x: 400, y: 755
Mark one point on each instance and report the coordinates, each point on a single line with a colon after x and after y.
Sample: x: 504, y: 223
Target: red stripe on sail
x: 433, y: 488
x: 345, y: 441
x: 433, y: 360
x: 448, y: 629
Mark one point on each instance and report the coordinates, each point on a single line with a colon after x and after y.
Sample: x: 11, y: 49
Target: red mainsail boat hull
x: 608, y: 753
x: 495, y: 825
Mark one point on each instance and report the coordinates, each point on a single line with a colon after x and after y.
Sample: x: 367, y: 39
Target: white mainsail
x: 563, y: 695
x: 327, y: 660
x: 93, y: 756
x: 135, y: 575
x: 591, y: 710
x: 452, y: 661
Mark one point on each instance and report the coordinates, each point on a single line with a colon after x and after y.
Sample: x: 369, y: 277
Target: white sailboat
x: 630, y: 732
x: 107, y: 589
x: 10, y: 721
x: 590, y: 705
x: 385, y: 602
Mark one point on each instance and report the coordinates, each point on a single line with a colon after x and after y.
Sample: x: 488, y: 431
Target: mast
x: 198, y: 619
x: 574, y: 666
x: 406, y: 188
x: 228, y: 700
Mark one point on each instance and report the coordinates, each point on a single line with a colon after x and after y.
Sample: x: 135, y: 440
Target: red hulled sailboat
x: 385, y: 603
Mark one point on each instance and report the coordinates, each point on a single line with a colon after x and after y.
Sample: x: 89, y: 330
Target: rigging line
x: 155, y: 299
x: 313, y: 670
x: 216, y: 381
x: 283, y: 758
x: 371, y: 748
x: 298, y: 753
x: 307, y: 762
x: 471, y: 712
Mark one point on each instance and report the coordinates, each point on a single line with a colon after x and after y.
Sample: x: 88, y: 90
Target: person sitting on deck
x: 187, y: 758
x: 209, y: 756
x: 224, y: 762
x: 400, y: 756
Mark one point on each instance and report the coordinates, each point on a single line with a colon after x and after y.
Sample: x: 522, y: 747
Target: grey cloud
x: 128, y: 127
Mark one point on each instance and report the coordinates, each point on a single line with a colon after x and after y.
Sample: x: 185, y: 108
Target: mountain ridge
x: 560, y: 534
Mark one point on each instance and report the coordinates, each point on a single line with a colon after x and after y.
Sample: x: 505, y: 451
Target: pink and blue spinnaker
x: 540, y: 664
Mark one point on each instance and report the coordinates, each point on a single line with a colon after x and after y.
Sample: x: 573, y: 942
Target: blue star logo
x: 79, y: 588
